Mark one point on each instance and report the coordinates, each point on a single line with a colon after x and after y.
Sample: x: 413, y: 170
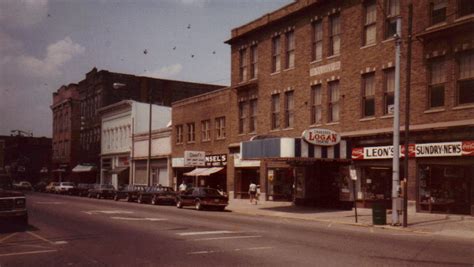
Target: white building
x: 120, y: 122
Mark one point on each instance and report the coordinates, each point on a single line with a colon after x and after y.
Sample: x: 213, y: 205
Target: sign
x: 216, y: 160
x: 325, y: 68
x: 194, y: 158
x: 321, y: 137
x: 446, y: 149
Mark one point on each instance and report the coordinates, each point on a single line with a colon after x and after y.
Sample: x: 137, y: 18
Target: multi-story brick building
x: 330, y: 65
x: 66, y: 126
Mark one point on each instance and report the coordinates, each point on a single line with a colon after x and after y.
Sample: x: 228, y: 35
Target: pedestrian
x: 182, y: 187
x: 253, y: 193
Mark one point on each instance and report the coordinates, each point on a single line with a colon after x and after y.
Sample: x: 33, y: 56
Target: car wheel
x: 198, y: 205
x: 179, y: 204
x: 221, y: 208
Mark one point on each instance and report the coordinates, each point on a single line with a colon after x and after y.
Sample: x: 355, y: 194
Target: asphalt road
x: 73, y: 231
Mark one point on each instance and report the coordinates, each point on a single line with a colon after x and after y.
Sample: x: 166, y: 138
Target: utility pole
x: 148, y: 163
x: 396, y: 128
x: 407, y: 115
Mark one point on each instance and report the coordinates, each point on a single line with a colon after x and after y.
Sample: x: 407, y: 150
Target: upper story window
x: 465, y: 7
x: 242, y: 116
x: 333, y: 101
x: 438, y: 11
x: 191, y: 133
x: 253, y: 115
x: 253, y: 62
x: 206, y: 130
x: 316, y: 104
x: 243, y: 64
x: 220, y: 128
x: 437, y: 79
x: 276, y: 60
x: 179, y: 134
x: 289, y: 109
x: 290, y: 49
x: 392, y: 8
x: 389, y: 90
x: 465, y: 86
x: 317, y: 47
x: 368, y: 92
x: 275, y: 112
x: 370, y: 25
x: 334, y: 35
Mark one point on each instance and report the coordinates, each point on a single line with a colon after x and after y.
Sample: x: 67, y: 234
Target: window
x: 243, y: 64
x: 437, y: 79
x: 253, y: 115
x: 276, y: 64
x: 317, y: 48
x: 191, y: 137
x: 333, y: 101
x: 465, y: 7
x: 316, y: 105
x: 389, y: 90
x: 253, y: 62
x: 393, y: 12
x: 275, y: 111
x: 370, y: 23
x: 290, y: 49
x: 368, y: 92
x: 289, y: 109
x: 220, y: 128
x: 179, y: 134
x: 438, y: 11
x: 334, y: 35
x: 465, y: 94
x: 206, y: 130
x: 242, y: 116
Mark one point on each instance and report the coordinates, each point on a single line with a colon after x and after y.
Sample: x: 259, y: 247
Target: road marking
x: 28, y: 252
x: 7, y: 237
x: 90, y: 212
x: 50, y: 202
x: 259, y: 248
x: 201, y: 252
x: 221, y: 251
x: 207, y: 233
x: 60, y: 242
x: 40, y: 237
x: 139, y: 219
x: 227, y: 237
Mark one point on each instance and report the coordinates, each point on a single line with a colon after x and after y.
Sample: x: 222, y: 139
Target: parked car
x: 13, y: 210
x: 23, y: 185
x: 65, y: 188
x: 129, y: 192
x: 51, y: 187
x: 82, y: 190
x: 102, y: 191
x: 40, y: 187
x: 202, y: 197
x: 157, y: 195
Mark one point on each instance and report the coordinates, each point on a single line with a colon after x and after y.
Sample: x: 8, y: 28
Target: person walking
x: 182, y: 187
x: 253, y: 193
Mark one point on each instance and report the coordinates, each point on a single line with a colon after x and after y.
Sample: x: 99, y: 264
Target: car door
x: 187, y: 197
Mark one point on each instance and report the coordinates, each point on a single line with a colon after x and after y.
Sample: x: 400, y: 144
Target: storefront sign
x: 321, y: 137
x: 194, y: 158
x: 447, y: 149
x: 216, y: 160
x: 325, y: 68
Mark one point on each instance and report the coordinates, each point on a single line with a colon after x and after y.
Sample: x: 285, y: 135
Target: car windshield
x: 210, y: 192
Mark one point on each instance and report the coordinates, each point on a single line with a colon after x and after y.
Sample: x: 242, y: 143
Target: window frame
x: 275, y: 112
x: 333, y: 103
x: 316, y: 106
x: 191, y: 132
x: 366, y: 97
x: 242, y: 116
x: 253, y: 110
x: 317, y: 40
x: 289, y: 109
x: 205, y: 130
x: 388, y: 93
x: 463, y: 10
x: 463, y: 80
x: 290, y: 49
x: 253, y: 61
x: 391, y: 19
x: 436, y: 67
x: 439, y: 18
x: 243, y: 64
x: 370, y: 25
x: 276, y: 54
x: 334, y: 35
x: 220, y: 128
x: 179, y: 134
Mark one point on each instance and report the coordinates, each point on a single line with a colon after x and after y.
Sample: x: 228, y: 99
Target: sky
x: 45, y: 44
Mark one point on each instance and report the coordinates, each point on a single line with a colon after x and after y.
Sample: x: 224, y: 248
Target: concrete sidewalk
x: 437, y: 224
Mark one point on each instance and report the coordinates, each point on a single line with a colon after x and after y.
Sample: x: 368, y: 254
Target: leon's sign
x: 321, y: 137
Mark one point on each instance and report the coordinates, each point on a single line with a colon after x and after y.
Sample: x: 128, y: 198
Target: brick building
x: 329, y: 65
x: 200, y: 139
x: 66, y: 126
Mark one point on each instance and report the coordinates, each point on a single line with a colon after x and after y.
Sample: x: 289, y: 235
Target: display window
x: 280, y: 184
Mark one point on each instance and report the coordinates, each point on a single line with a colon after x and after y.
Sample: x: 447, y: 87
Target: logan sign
x: 321, y: 137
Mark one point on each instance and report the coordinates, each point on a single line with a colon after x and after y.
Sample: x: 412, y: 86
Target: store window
x: 392, y: 8
x: 276, y: 60
x: 437, y: 80
x: 370, y: 23
x: 290, y: 50
x: 334, y: 35
x: 333, y: 106
x: 316, y: 104
x: 438, y: 11
x: 317, y: 47
x: 465, y: 86
x: 275, y: 111
x: 289, y: 109
x: 280, y: 184
x: 368, y: 99
x: 375, y: 184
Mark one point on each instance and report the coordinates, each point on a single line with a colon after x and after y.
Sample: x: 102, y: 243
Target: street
x: 73, y: 231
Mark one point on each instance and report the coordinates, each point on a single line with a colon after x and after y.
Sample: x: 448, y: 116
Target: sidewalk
x: 437, y: 224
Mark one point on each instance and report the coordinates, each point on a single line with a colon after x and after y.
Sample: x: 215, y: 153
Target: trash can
x: 379, y: 213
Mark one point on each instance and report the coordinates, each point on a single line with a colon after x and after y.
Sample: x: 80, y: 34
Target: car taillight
x: 20, y: 203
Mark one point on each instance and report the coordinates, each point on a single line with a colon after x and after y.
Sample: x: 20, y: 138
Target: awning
x: 83, y: 168
x: 118, y: 170
x: 203, y: 171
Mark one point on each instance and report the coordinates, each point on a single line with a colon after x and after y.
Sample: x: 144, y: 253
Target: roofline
x: 189, y: 99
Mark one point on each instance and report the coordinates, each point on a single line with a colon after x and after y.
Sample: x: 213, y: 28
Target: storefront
x: 115, y: 170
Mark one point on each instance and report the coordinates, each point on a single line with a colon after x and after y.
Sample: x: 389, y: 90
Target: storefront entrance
x: 243, y: 177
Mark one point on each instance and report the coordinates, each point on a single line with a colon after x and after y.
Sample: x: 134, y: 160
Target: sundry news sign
x: 448, y: 149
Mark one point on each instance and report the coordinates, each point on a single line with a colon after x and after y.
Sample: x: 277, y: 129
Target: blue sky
x: 48, y: 43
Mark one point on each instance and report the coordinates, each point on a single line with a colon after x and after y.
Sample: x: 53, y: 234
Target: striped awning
x: 203, y: 171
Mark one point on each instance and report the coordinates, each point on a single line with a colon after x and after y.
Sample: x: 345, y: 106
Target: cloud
x: 199, y: 3
x: 165, y: 72
x: 22, y: 13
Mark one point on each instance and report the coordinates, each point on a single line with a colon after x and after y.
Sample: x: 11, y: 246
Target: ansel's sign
x: 321, y: 137
x: 448, y: 149
x: 216, y: 160
x: 194, y: 158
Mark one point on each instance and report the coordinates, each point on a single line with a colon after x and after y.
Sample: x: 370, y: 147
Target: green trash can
x: 379, y: 213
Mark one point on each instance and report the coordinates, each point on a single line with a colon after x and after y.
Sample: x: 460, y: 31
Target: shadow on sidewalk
x: 300, y: 210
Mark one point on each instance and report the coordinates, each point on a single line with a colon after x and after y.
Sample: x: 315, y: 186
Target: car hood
x: 9, y: 193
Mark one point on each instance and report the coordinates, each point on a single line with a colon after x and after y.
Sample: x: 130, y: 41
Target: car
x: 82, y: 190
x: 51, y: 187
x: 40, y: 187
x: 102, y: 191
x: 13, y: 209
x: 23, y: 185
x: 157, y: 195
x: 65, y: 188
x: 129, y: 192
x: 201, y: 198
